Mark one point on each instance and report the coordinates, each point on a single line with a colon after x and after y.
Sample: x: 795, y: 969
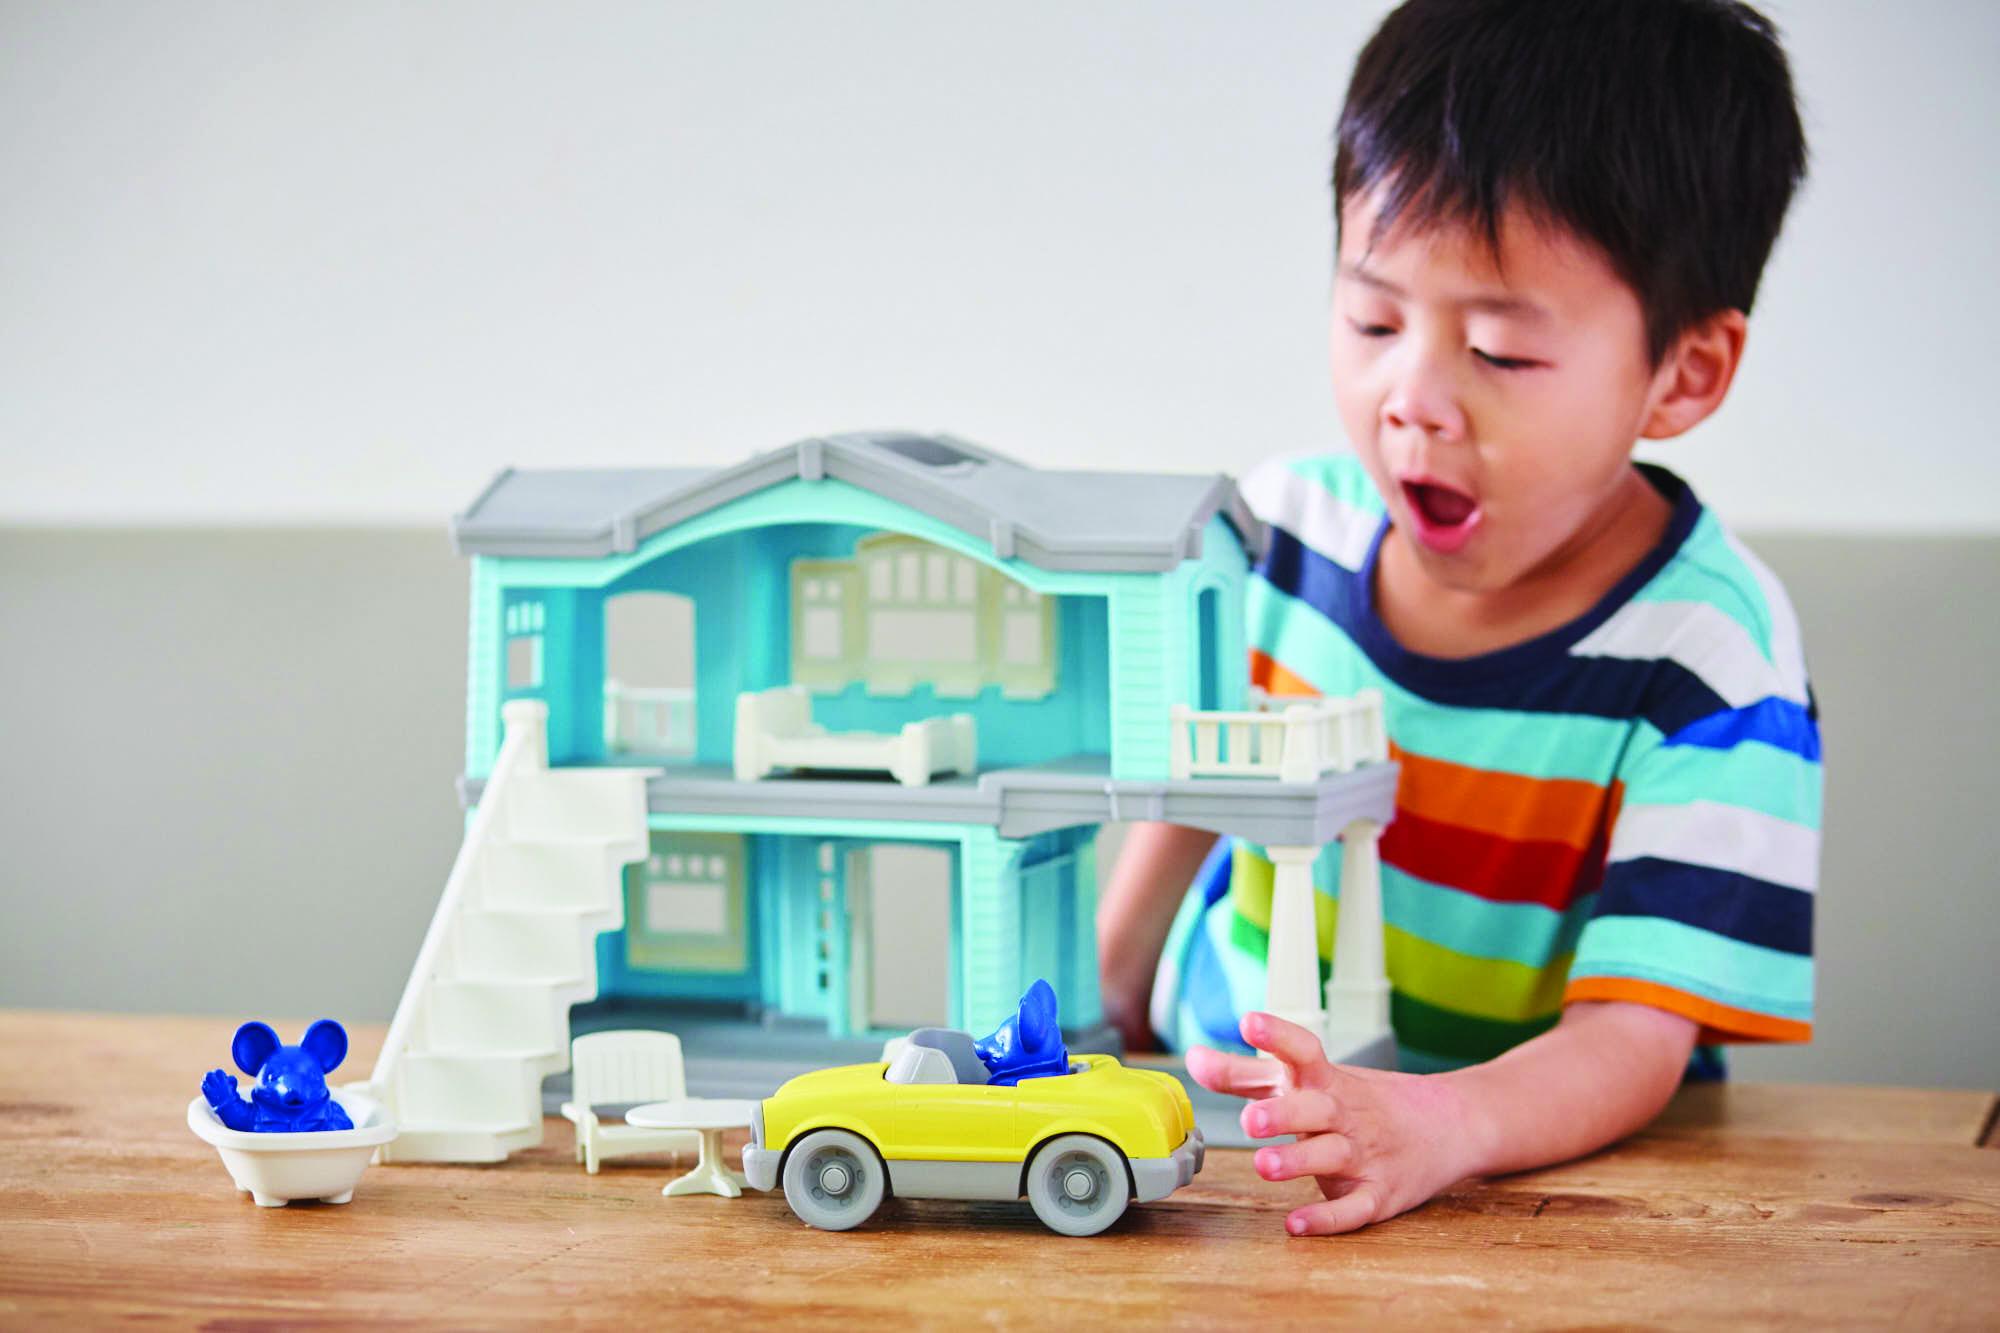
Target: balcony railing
x: 650, y: 720
x: 1292, y: 741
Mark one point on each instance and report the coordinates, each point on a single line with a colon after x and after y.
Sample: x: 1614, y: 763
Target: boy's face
x: 1496, y: 416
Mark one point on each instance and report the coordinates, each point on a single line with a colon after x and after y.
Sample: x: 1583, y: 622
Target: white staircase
x: 513, y: 944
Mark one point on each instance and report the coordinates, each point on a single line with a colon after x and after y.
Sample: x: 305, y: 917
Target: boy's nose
x: 1422, y: 397
x: 1426, y: 407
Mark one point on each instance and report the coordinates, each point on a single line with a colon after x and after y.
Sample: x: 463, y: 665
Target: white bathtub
x: 320, y: 1164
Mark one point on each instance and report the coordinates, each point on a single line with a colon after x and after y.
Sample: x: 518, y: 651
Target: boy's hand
x: 1377, y: 1143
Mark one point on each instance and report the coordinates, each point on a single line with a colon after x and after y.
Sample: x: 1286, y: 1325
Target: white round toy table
x: 707, y: 1116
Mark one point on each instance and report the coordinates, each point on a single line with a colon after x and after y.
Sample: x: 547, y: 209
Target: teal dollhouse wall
x: 1129, y: 646
x: 1015, y: 910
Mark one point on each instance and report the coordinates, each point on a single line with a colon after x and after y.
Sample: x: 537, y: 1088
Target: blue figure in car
x: 291, y: 1094
x: 1028, y: 1045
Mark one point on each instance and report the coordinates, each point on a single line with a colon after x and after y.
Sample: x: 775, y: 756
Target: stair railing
x: 525, y: 749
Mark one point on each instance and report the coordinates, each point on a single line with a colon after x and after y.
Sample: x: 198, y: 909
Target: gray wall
x: 227, y: 763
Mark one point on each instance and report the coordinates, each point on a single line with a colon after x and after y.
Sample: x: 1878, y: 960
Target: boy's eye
x: 1504, y: 362
x: 1370, y: 330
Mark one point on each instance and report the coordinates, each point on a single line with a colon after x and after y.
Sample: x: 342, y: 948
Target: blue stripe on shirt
x: 1723, y: 902
x: 1676, y: 701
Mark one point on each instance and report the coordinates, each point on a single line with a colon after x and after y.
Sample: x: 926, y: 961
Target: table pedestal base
x: 709, y: 1175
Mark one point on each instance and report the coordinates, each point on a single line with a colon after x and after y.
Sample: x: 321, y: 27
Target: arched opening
x: 1208, y: 652
x: 649, y: 676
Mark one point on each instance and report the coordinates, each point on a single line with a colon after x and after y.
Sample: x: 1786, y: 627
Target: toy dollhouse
x: 913, y: 678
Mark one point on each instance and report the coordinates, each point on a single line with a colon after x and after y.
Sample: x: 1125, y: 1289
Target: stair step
x: 498, y: 1129
x: 512, y: 979
x: 522, y: 1054
x: 507, y: 1015
x: 550, y: 942
x: 572, y: 840
x: 576, y: 876
x: 436, y: 1141
x: 600, y: 802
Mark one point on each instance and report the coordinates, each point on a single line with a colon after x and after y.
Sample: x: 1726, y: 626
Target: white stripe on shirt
x: 1340, y: 531
x: 1705, y: 639
x: 1787, y: 648
x: 1721, y: 837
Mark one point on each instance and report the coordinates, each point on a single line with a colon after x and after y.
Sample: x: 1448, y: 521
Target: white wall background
x: 304, y: 263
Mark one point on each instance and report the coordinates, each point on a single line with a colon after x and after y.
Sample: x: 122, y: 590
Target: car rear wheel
x: 1077, y: 1184
x: 834, y: 1180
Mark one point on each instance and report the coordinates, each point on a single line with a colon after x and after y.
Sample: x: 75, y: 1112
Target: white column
x: 1357, y: 994
x: 1292, y: 958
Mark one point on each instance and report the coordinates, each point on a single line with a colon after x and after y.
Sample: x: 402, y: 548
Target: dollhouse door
x: 899, y: 920
x: 860, y: 940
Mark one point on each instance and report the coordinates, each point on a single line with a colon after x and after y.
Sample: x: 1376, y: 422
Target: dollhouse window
x: 686, y: 908
x: 1021, y: 627
x: 905, y: 614
x: 821, y: 619
x: 524, y: 623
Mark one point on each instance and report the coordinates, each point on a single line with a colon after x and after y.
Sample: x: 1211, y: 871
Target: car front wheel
x: 834, y: 1180
x: 1077, y: 1184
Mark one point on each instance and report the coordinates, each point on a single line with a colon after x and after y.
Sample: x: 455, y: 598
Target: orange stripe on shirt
x: 1267, y: 674
x: 1719, y: 1022
x: 1505, y: 805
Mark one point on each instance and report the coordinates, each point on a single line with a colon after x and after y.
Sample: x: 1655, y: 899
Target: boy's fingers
x: 1352, y: 1210
x: 1308, y: 1111
x: 1239, y: 1075
x: 1286, y: 1040
x: 1320, y: 1155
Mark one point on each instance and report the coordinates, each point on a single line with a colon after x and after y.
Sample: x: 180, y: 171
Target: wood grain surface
x: 1744, y: 1205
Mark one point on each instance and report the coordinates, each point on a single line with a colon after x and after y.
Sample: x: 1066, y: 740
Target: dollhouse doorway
x: 899, y: 898
x: 649, y: 676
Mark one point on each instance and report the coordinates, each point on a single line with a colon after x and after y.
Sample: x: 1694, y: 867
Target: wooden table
x: 1744, y: 1204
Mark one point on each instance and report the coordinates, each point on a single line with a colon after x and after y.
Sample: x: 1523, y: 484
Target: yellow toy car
x: 1080, y: 1145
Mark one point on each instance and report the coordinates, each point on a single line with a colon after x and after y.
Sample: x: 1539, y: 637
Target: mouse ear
x: 255, y: 1043
x: 326, y: 1042
x: 1038, y: 1016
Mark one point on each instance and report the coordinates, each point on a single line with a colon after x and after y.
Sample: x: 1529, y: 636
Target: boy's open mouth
x: 1445, y: 517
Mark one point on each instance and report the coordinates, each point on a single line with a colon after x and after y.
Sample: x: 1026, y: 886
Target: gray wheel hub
x: 834, y: 1180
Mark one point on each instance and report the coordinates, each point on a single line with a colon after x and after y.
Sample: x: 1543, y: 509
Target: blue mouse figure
x: 1028, y: 1045
x: 291, y: 1095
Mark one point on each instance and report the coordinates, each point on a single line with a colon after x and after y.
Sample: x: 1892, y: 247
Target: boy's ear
x: 255, y: 1043
x: 1695, y: 374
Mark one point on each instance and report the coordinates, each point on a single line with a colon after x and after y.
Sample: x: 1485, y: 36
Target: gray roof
x: 1092, y: 521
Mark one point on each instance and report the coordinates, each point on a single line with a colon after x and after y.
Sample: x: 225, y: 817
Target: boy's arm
x: 1380, y: 1143
x: 1134, y: 915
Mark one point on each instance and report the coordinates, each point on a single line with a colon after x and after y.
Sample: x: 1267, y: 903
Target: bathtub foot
x: 268, y: 1200
x: 338, y: 1198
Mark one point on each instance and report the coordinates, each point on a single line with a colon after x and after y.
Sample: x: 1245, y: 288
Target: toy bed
x: 774, y: 729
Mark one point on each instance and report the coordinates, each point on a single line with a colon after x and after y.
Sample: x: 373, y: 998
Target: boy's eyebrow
x: 1517, y: 306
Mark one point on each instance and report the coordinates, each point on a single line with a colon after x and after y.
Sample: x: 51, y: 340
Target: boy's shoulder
x: 1703, y: 601
x: 1710, y: 606
x: 1322, y: 500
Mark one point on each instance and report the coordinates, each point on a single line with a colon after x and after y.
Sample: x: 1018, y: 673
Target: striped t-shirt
x: 1625, y: 808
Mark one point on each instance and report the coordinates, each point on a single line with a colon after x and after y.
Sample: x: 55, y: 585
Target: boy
x: 1551, y: 220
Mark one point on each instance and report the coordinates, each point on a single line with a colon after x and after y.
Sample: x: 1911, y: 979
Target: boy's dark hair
x: 1662, y: 131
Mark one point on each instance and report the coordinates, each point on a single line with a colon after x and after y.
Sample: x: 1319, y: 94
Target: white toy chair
x: 624, y: 1068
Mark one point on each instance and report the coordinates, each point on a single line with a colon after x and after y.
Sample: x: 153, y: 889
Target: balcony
x: 1298, y: 742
